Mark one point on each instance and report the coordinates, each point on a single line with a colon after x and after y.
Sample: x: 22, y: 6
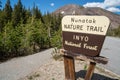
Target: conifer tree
x: 17, y: 13
x: 0, y: 5
x: 2, y: 20
x: 8, y: 11
x: 26, y: 15
x: 37, y: 13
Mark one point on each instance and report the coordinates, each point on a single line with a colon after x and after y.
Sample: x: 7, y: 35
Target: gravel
x: 54, y: 70
x: 16, y: 68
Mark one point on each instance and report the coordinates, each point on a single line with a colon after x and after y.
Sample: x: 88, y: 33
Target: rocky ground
x: 54, y: 70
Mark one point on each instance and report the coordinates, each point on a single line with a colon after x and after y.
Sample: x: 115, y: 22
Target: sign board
x: 84, y: 34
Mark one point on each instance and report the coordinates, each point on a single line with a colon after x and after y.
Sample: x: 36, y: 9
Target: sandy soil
x: 54, y: 70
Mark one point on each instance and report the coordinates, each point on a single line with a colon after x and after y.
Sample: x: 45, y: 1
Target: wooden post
x: 90, y: 71
x: 69, y: 68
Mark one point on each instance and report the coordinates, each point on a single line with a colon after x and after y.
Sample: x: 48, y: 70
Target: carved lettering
x: 86, y: 46
x: 94, y: 28
x: 83, y: 20
x: 72, y: 44
x: 81, y: 38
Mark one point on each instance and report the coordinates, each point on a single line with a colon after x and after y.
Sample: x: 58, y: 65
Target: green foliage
x: 56, y: 40
x: 0, y: 4
x: 114, y: 32
x: 8, y: 11
x: 26, y: 15
x: 38, y: 35
x: 17, y: 14
x: 5, y: 42
x: 85, y: 67
x: 2, y: 20
x: 117, y: 32
x: 24, y: 32
x: 56, y: 54
x: 23, y: 40
x: 53, y: 25
x: 36, y: 13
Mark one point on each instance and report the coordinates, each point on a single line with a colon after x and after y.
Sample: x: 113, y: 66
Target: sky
x: 52, y: 5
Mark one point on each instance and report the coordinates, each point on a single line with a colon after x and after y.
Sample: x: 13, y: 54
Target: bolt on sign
x: 84, y: 34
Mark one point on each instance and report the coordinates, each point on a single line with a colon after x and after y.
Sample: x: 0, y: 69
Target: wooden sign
x: 84, y: 34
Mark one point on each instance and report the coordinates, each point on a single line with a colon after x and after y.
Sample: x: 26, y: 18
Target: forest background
x: 26, y: 31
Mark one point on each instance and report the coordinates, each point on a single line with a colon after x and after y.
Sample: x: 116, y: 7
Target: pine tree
x: 17, y: 13
x: 1, y: 16
x: 0, y: 5
x: 37, y: 13
x: 26, y: 15
x: 8, y: 11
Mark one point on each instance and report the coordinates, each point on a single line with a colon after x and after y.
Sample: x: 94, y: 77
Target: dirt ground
x: 54, y: 70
